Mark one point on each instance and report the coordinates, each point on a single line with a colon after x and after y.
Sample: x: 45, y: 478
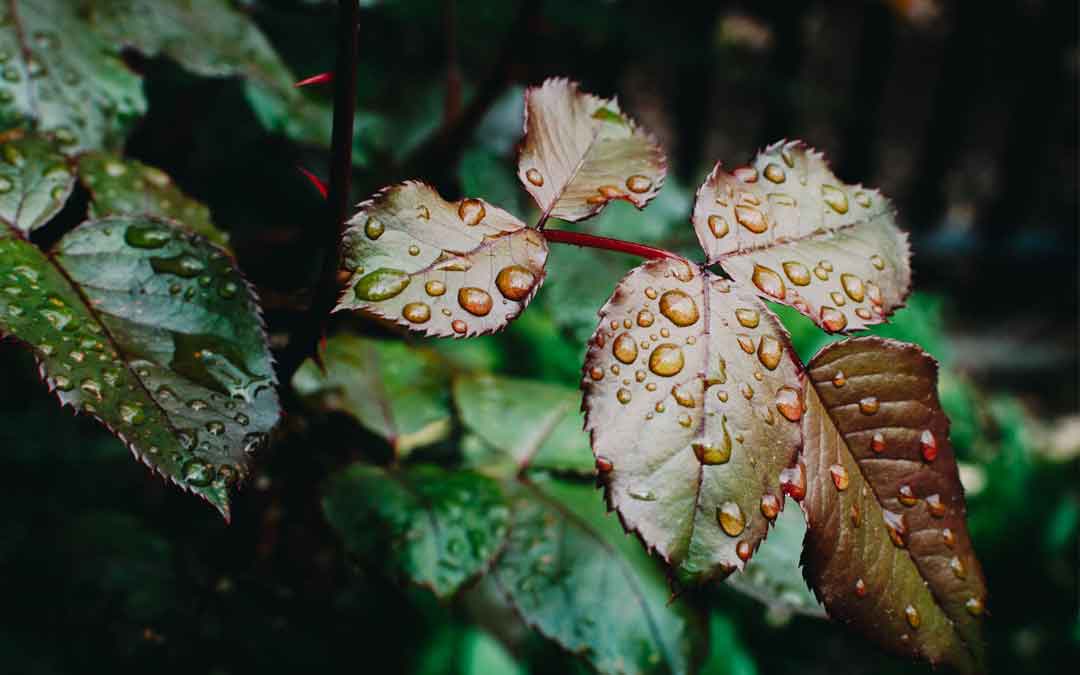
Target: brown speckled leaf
x: 445, y: 268
x: 874, y: 427
x: 788, y: 226
x: 580, y: 152
x: 682, y: 383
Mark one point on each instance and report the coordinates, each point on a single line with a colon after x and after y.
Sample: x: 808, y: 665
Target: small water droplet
x: 515, y: 282
x: 797, y: 273
x: 198, y: 404
x: 835, y: 198
x: 974, y: 606
x: 63, y: 383
x: 877, y: 443
x: 91, y: 387
x: 435, y: 288
x: 860, y: 588
x: 770, y: 506
x: 132, y: 414
x: 839, y: 476
x: 197, y: 472
x: 414, y: 250
x: 416, y: 312
x: 948, y: 537
x: 475, y: 301
x: 873, y: 293
x: 912, y: 616
x: 838, y: 298
x: 769, y: 352
x: 906, y: 495
x: 253, y: 441
x: 650, y: 293
x: 215, y: 428
x: 715, y: 453
x: 685, y: 421
x: 743, y: 550
x: 957, y: 567
x: 623, y: 396
x: 746, y: 174
x: 679, y: 308
x: 775, y: 173
x: 624, y: 348
x: 746, y: 343
x: 645, y: 318
x: 793, y: 481
x: 382, y: 284
x: 748, y: 318
x: 718, y: 225
x: 534, y: 177
x: 241, y: 419
x: 935, y: 506
x: 374, y: 228
x: 928, y: 446
x: 769, y: 282
x: 789, y: 403
x: 832, y: 319
x: 894, y: 524
x: 666, y: 360
x: 869, y: 405
x: 638, y: 183
x: 731, y: 519
x: 877, y: 262
x: 853, y: 286
x: 147, y: 236
x: 471, y: 211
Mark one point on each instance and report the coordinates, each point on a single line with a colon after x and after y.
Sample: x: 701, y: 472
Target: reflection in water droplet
x: 534, y: 177
x: 624, y: 348
x: 839, y: 476
x: 853, y: 286
x: 768, y: 282
x: 459, y: 326
x: 751, y: 218
x: 928, y: 445
x: 860, y: 588
x: 869, y: 405
x: 623, y: 396
x: 832, y: 319
x: 679, y: 308
x: 374, y: 228
x: 666, y: 360
x: 475, y: 301
x: 132, y: 414
x: 835, y: 197
x: 770, y: 506
x: 596, y: 373
x: 515, y: 282
x: 416, y: 312
x: 414, y: 250
x: 769, y: 352
x: 638, y: 183
x: 789, y: 403
x: 974, y: 606
x: 731, y: 519
x: 743, y: 550
x: 435, y: 288
x: 471, y: 211
x: 645, y: 318
x: 838, y: 298
x: 797, y: 273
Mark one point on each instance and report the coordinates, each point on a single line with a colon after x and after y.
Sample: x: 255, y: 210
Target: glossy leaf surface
x: 887, y: 549
x: 35, y: 181
x: 789, y: 227
x: 445, y: 268
x: 433, y: 527
x: 692, y: 399
x: 580, y: 152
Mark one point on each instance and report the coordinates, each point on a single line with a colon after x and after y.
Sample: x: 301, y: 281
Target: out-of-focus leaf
x: 445, y: 268
x: 392, y: 390
x: 433, y: 527
x: 127, y: 187
x: 887, y: 548
x: 152, y: 330
x: 803, y: 238
x: 533, y: 424
x: 727, y: 654
x: 773, y: 575
x: 61, y: 77
x: 580, y: 152
x: 35, y: 181
x: 693, y: 401
x: 566, y: 571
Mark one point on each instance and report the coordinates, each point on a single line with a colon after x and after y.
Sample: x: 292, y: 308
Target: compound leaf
x: 787, y: 225
x: 35, y: 181
x: 433, y: 527
x: 445, y: 268
x: 392, y: 390
x: 580, y: 152
x: 568, y: 571
x: 692, y: 400
x: 152, y: 330
x: 887, y: 548
x: 61, y: 77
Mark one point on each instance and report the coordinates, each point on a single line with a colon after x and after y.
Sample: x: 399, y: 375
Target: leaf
x: 564, y: 570
x: 394, y: 391
x: 447, y: 268
x: 531, y: 424
x: 787, y: 225
x: 887, y: 548
x: 35, y: 181
x: 152, y: 330
x: 580, y: 152
x: 773, y: 576
x: 63, y: 78
x: 121, y: 186
x: 436, y: 528
x: 692, y: 400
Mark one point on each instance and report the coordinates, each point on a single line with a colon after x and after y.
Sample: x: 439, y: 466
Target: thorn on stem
x: 315, y: 180
x: 321, y: 78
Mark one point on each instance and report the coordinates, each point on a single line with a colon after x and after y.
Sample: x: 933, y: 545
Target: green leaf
x: 35, y: 181
x: 435, y: 528
x: 803, y: 238
x: 153, y: 331
x: 692, y: 398
x: 568, y: 571
x: 392, y: 390
x: 445, y: 268
x: 529, y: 424
x: 580, y: 152
x: 887, y: 549
x: 121, y: 186
x: 59, y: 76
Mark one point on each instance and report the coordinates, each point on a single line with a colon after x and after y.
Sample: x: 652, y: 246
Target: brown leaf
x: 887, y: 548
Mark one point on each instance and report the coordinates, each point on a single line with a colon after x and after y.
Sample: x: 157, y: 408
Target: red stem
x: 608, y: 244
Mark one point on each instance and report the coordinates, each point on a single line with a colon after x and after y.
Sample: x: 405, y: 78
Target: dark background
x: 964, y: 113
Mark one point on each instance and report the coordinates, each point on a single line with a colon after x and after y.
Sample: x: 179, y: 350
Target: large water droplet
x: 835, y: 197
x: 374, y: 228
x: 147, y: 236
x: 435, y: 288
x: 775, y: 173
x: 769, y: 352
x: 751, y: 218
x: 679, y: 308
x: 515, y: 282
x: 666, y: 360
x: 382, y: 284
x: 768, y: 282
x: 715, y: 453
x: 183, y: 265
x: 624, y: 348
x: 416, y: 312
x: 731, y: 519
x: 471, y: 211
x: 789, y: 403
x: 475, y: 301
x: 748, y: 318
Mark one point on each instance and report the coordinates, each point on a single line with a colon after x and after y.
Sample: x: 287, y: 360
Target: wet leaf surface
x: 887, y: 549
x: 430, y: 526
x: 35, y: 181
x: 580, y: 152
x: 444, y: 268
x: 693, y: 401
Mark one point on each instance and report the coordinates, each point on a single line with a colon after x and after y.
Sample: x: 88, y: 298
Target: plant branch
x: 608, y: 244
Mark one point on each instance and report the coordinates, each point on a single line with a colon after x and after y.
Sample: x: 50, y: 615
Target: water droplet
x: 928, y: 445
x: 863, y: 313
x: 241, y: 419
x: 374, y: 228
x: 382, y: 284
x: 769, y: 352
x: 789, y: 403
x: 853, y: 286
x: 957, y: 567
x: 624, y: 348
x: 835, y: 197
x: 894, y: 524
x: 132, y: 414
x: 638, y: 183
x: 197, y: 472
x: 534, y: 177
x: 862, y: 199
x: 683, y: 396
x: 873, y: 293
x: 948, y: 537
x: 935, y: 506
x: 471, y: 211
x: 685, y: 421
x: 475, y: 301
x: 91, y: 387
x: 746, y: 343
x: 253, y: 441
x: 435, y: 288
x: 147, y: 236
x: 63, y: 383
x: 459, y: 326
x: 877, y: 443
x: 840, y: 477
x: 832, y: 319
x: 743, y: 550
x: 906, y: 495
x: 775, y: 173
x: 718, y: 225
x: 746, y: 174
x: 731, y: 519
x: 659, y: 407
x: 821, y: 273
x: 860, y: 588
x: 793, y: 481
x: 416, y: 312
x: 797, y: 272
x: 183, y: 265
x: 679, y: 308
x: 515, y: 282
x: 715, y: 453
x: 869, y: 405
x: 912, y: 616
x: 838, y: 298
x: 768, y: 282
x: 198, y: 404
x: 770, y: 506
x: 877, y: 262
x: 215, y: 428
x: 645, y: 318
x: 749, y: 318
x: 5, y: 185
x: 974, y: 606
x: 666, y: 360
x: 623, y: 396
x: 650, y: 293
x: 642, y: 495
x: 414, y: 250
x: 751, y: 218
x: 609, y: 192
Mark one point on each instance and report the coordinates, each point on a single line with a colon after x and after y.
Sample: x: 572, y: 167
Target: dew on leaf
x: 435, y: 288
x: 416, y: 312
x: 840, y: 477
x: 860, y: 588
x: 679, y: 308
x: 912, y: 616
x: 835, y: 198
x: 666, y: 360
x: 974, y: 606
x: 183, y: 265
x: 743, y: 550
x: 718, y: 225
x: 935, y: 506
x: 643, y: 495
x: 751, y: 218
x: 906, y: 495
x: 748, y: 318
x: 147, y: 236
x: 475, y: 301
x: 132, y: 414
x: 793, y: 481
x: 623, y: 396
x: 731, y: 519
x: 215, y: 428
x: 789, y: 403
x: 957, y: 567
x: 928, y: 445
x: 833, y: 319
x: 534, y: 177
x: 471, y: 211
x: 775, y: 173
x: 770, y: 506
x: 869, y: 405
x: 797, y: 272
x: 645, y: 318
x: 382, y: 284
x: 768, y: 282
x: 515, y: 282
x: 604, y: 465
x: 896, y: 527
x: 197, y: 472
x: 638, y: 183
x: 769, y: 352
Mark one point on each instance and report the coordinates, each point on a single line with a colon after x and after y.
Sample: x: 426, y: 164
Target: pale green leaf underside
x: 57, y: 75
x: 35, y: 181
x: 874, y: 420
x: 566, y: 571
x: 433, y: 527
x: 788, y: 226
x: 692, y: 399
x: 580, y: 152
x: 444, y: 268
x: 389, y: 388
x: 153, y: 331
x: 526, y: 423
